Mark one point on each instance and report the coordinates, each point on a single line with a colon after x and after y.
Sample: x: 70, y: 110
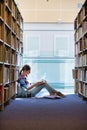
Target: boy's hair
x: 25, y: 67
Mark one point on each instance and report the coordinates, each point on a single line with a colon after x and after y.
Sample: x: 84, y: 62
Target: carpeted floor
x: 69, y: 113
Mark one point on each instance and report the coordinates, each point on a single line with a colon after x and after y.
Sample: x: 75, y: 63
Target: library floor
x: 69, y: 113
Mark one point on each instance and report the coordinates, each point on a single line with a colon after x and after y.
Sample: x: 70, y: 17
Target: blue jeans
x: 37, y: 89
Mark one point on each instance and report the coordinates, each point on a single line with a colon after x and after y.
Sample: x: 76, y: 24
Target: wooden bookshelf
x: 80, y: 71
x: 11, y: 49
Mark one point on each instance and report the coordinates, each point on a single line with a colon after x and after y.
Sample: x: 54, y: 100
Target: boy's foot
x: 60, y: 94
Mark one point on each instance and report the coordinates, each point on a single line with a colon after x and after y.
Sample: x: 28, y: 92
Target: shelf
x: 11, y: 49
x: 80, y: 71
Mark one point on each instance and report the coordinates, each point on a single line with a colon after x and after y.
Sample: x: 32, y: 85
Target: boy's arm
x: 35, y: 85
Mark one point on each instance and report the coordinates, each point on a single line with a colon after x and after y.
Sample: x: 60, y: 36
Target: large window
x: 32, y: 46
x: 61, y: 46
x: 50, y: 54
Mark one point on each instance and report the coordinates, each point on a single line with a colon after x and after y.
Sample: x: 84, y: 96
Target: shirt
x: 23, y: 81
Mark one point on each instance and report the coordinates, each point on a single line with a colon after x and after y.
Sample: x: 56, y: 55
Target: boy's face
x: 27, y: 72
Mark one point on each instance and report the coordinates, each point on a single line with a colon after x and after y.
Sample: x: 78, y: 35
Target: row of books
x: 10, y: 37
x: 6, y: 94
x: 16, y: 27
x: 82, y: 89
x: 80, y: 74
x: 84, y: 24
x: 1, y: 29
x: 6, y: 74
x: 20, y: 48
x: 81, y: 31
x: 13, y: 58
x: 13, y: 41
x: 7, y: 36
x: 81, y: 45
x: 78, y: 60
x: 18, y: 60
x: 77, y: 74
x: 1, y: 50
x: 18, y: 30
x: 1, y: 72
x: 81, y: 60
x: 9, y: 91
x: 1, y: 87
x: 78, y: 47
x: 10, y: 74
x: 14, y: 9
x: 17, y: 44
x: 1, y: 8
x: 8, y: 3
x: 13, y: 25
x: 7, y: 16
x: 12, y: 89
x: 84, y: 59
x: 7, y: 55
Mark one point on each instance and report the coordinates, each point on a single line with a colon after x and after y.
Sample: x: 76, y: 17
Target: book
x: 1, y: 93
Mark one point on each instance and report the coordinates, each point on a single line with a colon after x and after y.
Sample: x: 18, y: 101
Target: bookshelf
x: 80, y: 70
x: 11, y: 49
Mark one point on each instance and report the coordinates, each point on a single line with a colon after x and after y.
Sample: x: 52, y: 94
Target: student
x: 36, y: 87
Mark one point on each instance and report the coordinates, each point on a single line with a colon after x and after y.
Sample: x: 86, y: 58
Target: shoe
x: 60, y: 94
x: 53, y: 96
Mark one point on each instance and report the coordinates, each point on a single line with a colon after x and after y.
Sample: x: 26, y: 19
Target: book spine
x: 1, y: 93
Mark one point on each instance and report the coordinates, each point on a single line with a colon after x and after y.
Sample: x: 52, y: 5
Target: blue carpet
x: 69, y: 113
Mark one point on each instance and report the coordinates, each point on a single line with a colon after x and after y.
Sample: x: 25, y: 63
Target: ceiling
x: 49, y: 10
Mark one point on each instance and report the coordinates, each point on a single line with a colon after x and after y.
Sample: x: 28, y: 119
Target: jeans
x: 37, y: 89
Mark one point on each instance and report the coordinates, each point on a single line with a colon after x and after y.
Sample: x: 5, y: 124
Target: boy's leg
x: 51, y: 90
x: 36, y: 90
